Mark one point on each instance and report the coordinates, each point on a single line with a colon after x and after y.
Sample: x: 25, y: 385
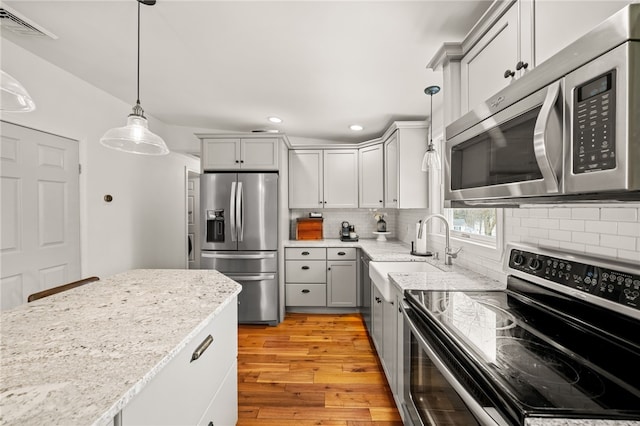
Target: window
x: 479, y: 225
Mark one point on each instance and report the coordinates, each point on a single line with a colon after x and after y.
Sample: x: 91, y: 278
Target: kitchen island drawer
x: 313, y: 271
x: 305, y: 253
x: 339, y: 253
x: 306, y: 295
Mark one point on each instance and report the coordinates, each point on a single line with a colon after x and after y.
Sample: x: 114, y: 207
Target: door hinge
x: 79, y: 168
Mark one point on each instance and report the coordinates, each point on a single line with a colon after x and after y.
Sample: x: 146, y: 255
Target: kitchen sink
x: 378, y: 272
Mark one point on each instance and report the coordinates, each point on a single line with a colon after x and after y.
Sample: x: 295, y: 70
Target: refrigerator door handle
x: 232, y: 212
x: 257, y: 277
x: 238, y: 256
x: 240, y: 212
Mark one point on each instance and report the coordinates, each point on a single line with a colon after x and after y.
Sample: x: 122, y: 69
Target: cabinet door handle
x: 201, y: 348
x: 210, y: 424
x: 319, y: 202
x: 305, y: 291
x: 237, y: 161
x: 329, y: 268
x: 341, y: 253
x: 304, y: 268
x: 509, y: 73
x: 305, y: 253
x: 520, y: 65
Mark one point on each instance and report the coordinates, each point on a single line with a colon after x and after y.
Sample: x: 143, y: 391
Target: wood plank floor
x: 312, y: 370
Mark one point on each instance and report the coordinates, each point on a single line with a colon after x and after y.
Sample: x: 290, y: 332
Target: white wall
x: 144, y: 226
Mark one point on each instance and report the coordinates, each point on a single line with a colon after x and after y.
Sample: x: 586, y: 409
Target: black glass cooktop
x: 540, y: 360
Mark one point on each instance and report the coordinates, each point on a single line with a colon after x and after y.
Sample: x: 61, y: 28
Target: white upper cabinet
x: 391, y: 172
x: 306, y: 179
x: 406, y: 185
x: 371, y: 186
x: 323, y: 178
x: 497, y: 58
x: 240, y: 154
x: 559, y: 23
x: 341, y: 178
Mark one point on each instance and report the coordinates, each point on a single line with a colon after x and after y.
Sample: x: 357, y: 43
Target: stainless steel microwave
x: 567, y: 131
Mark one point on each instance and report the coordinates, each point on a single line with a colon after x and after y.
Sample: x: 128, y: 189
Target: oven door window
x: 436, y: 402
x: 500, y: 155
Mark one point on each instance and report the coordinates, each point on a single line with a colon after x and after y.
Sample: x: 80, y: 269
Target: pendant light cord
x: 431, y: 125
x: 138, y: 93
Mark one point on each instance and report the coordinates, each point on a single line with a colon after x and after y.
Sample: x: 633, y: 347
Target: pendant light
x: 15, y: 97
x: 136, y: 137
x: 431, y: 159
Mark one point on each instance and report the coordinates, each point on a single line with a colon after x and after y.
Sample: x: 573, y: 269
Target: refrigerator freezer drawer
x: 245, y: 262
x: 258, y: 300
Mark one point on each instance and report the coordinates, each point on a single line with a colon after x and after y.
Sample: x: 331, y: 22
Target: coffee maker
x: 348, y: 232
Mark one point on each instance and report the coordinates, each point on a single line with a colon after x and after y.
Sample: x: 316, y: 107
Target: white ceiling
x: 228, y: 65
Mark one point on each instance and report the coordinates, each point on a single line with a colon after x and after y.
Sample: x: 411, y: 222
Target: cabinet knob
x: 520, y: 65
x: 509, y: 73
x: 319, y: 202
x: 242, y: 161
x: 395, y: 200
x: 305, y: 291
x: 237, y: 161
x: 210, y: 424
x: 305, y: 268
x: 329, y: 268
x: 379, y: 201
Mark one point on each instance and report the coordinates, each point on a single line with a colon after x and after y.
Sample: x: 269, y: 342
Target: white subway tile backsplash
x: 530, y: 222
x: 549, y: 243
x: 544, y: 213
x: 549, y: 223
x: 585, y: 238
x: 629, y: 229
x: 560, y: 235
x: 585, y: 213
x: 559, y: 213
x: 618, y: 242
x: 520, y: 212
x: 619, y: 214
x: 601, y: 227
x: 572, y: 225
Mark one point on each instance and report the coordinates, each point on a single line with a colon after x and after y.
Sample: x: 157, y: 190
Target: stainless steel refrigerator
x: 239, y: 223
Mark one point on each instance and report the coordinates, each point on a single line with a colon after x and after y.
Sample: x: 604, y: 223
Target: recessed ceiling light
x: 356, y: 127
x: 275, y: 119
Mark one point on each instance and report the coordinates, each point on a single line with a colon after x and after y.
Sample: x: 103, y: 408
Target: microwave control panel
x: 610, y: 284
x: 594, y: 116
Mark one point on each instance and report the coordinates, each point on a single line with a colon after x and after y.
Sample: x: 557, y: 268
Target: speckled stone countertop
x: 378, y: 251
x: 78, y: 357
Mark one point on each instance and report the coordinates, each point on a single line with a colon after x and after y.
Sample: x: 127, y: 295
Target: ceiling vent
x: 13, y: 21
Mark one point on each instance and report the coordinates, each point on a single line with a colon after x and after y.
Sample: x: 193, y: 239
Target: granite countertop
x: 79, y: 356
x: 378, y: 251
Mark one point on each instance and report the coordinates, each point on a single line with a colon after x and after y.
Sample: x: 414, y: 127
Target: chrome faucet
x: 449, y: 254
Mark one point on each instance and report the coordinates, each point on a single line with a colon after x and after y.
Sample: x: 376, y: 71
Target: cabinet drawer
x: 223, y: 407
x: 182, y: 390
x: 334, y: 253
x: 305, y: 253
x: 300, y: 271
x: 306, y: 295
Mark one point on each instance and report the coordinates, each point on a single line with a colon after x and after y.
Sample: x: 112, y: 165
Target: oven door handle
x: 478, y: 410
x: 543, y: 145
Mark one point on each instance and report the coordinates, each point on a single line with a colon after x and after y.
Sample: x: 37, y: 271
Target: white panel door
x: 391, y: 172
x: 341, y: 178
x: 220, y: 154
x: 305, y: 179
x: 40, y: 245
x: 260, y: 154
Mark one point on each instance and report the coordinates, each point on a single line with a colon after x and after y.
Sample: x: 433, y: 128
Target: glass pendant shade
x: 15, y: 97
x: 135, y: 138
x: 431, y: 159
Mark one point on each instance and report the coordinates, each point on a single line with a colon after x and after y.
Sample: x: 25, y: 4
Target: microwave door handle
x: 540, y: 136
x: 232, y: 210
x: 240, y: 212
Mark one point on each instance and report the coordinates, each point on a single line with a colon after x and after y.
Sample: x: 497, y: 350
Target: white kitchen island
x: 108, y: 348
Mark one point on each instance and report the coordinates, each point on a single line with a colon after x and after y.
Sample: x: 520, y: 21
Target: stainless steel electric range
x: 562, y: 341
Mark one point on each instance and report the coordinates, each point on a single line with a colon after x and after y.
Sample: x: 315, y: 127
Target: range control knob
x: 535, y: 264
x: 518, y: 259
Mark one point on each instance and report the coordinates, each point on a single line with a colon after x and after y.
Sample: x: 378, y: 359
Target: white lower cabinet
x: 218, y: 413
x: 184, y: 389
x: 387, y: 334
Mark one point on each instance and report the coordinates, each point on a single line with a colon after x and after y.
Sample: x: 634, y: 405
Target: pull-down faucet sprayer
x: 449, y: 254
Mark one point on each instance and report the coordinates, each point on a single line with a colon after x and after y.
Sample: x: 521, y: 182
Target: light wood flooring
x: 312, y: 370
